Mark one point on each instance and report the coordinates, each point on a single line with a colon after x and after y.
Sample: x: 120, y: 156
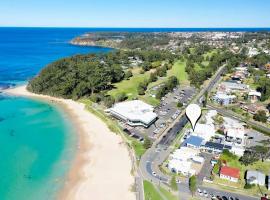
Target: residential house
x: 229, y: 173
x: 231, y: 86
x: 214, y: 147
x: 254, y: 96
x: 194, y: 142
x: 223, y: 98
x: 254, y: 108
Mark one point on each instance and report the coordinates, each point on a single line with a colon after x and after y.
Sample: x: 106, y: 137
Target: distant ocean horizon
x: 155, y: 29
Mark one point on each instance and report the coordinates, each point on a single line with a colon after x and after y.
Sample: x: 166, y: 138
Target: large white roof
x: 236, y: 133
x: 135, y: 110
x: 181, y: 166
x: 184, y: 154
x: 205, y: 131
x: 254, y: 93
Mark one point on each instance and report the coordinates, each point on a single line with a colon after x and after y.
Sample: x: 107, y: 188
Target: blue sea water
x: 36, y: 139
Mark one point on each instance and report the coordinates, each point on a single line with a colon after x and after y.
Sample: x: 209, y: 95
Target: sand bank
x: 102, y: 167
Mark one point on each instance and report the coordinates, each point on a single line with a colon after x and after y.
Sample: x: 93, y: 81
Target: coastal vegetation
x: 104, y: 77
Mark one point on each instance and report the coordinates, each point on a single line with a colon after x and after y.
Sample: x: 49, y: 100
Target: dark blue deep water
x: 24, y: 51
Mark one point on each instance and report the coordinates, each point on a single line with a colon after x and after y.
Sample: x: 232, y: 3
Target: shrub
x: 121, y: 97
x: 128, y: 74
x: 248, y: 186
x: 108, y: 101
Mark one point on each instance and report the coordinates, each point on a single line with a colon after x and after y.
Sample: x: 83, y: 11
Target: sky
x: 135, y: 13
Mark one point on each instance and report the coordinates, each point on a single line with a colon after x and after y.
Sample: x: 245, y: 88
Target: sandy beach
x: 102, y: 167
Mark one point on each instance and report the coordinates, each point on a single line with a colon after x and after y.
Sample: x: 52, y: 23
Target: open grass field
x: 129, y: 87
x: 178, y: 70
x: 150, y: 192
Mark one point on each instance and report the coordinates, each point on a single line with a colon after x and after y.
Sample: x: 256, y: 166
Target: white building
x: 255, y: 177
x: 180, y: 161
x: 254, y: 96
x: 184, y: 154
x: 233, y: 87
x: 183, y: 167
x: 223, y: 98
x: 134, y: 113
x: 235, y: 134
x: 234, y: 130
x: 237, y: 150
x: 205, y: 131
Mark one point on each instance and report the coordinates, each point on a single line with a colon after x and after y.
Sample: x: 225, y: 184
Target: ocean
x: 37, y: 141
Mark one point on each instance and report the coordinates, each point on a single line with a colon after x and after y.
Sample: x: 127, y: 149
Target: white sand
x: 102, y: 168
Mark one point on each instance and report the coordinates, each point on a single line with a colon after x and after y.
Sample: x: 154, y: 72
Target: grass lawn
x: 137, y: 146
x: 168, y: 194
x: 178, y: 70
x: 129, y: 87
x: 249, y: 81
x: 150, y: 192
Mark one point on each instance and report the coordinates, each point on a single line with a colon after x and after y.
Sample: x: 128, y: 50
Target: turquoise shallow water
x: 36, y: 139
x: 36, y: 147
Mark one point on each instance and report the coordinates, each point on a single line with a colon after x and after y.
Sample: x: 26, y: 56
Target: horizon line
x: 103, y: 27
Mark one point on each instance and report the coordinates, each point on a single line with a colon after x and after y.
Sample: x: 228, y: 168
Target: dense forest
x: 83, y: 75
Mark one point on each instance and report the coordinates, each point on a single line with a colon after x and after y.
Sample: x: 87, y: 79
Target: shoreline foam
x: 102, y: 166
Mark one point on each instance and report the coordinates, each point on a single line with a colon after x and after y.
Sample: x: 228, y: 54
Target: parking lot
x: 167, y: 112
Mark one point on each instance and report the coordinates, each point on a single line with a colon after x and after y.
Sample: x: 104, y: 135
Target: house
x: 254, y: 96
x: 229, y: 173
x: 255, y: 177
x: 134, y: 113
x: 254, y: 108
x: 184, y: 154
x: 198, y: 159
x: 235, y: 135
x: 223, y: 98
x: 230, y: 86
x: 205, y: 131
x: 194, y: 142
x: 237, y: 150
x: 253, y: 52
x: 183, y: 167
x: 180, y: 161
x: 214, y: 147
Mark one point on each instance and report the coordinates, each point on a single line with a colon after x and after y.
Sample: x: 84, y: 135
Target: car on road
x: 178, y: 181
x: 205, y: 193
x: 154, y: 173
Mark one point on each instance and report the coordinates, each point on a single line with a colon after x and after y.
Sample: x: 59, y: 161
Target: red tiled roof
x: 229, y: 171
